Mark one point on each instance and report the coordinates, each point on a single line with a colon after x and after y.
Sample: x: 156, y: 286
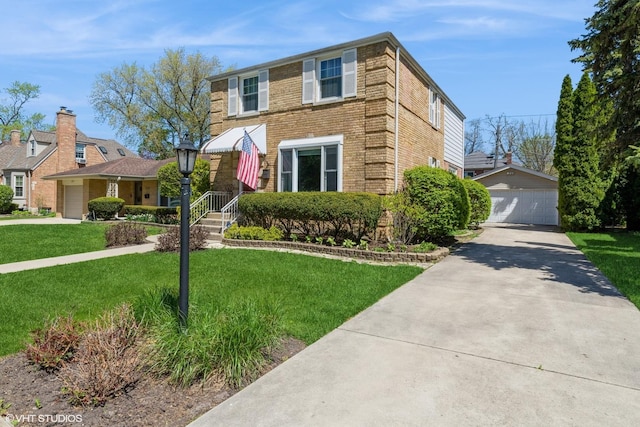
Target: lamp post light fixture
x: 186, y: 153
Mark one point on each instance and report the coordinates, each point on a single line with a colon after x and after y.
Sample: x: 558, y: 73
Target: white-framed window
x: 434, y: 108
x: 329, y: 78
x: 310, y: 164
x: 80, y: 151
x: 18, y: 185
x: 32, y: 148
x: 248, y: 93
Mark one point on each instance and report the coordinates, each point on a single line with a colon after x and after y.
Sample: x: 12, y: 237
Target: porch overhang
x: 231, y: 140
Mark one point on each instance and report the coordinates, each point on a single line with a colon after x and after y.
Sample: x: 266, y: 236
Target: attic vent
x: 121, y: 151
x: 103, y: 149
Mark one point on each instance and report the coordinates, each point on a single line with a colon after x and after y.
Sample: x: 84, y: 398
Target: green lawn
x: 36, y: 241
x: 316, y: 294
x: 617, y: 255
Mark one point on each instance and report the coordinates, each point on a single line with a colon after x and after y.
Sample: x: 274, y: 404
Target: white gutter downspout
x: 30, y: 190
x: 397, y: 121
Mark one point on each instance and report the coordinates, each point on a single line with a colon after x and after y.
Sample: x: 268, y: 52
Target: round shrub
x: 440, y: 200
x: 480, y: 200
x: 105, y: 207
x: 6, y: 198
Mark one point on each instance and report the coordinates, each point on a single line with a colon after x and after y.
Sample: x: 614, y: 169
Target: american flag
x: 249, y: 163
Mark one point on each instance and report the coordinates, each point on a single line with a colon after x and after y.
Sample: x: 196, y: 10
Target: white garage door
x: 73, y: 201
x: 524, y: 206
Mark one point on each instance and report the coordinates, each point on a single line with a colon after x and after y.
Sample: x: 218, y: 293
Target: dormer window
x: 32, y: 148
x: 80, y: 153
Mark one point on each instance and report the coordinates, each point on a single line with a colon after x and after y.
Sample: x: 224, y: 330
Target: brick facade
x: 367, y: 121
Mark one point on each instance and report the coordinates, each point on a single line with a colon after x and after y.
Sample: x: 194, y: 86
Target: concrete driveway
x: 515, y: 328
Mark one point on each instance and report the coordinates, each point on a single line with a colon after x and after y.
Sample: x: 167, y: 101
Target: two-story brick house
x: 350, y: 117
x: 25, y: 164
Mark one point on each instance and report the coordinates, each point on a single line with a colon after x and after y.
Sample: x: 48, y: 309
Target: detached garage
x: 521, y: 196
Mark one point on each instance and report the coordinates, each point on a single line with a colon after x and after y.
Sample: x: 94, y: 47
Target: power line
x: 520, y: 115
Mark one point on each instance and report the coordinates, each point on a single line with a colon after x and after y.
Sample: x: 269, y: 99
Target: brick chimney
x: 508, y: 158
x: 15, y: 138
x: 66, y: 139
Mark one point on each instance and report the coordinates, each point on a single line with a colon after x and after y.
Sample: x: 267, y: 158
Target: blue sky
x: 491, y: 57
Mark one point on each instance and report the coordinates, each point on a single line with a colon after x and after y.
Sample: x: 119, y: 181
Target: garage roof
x: 517, y: 168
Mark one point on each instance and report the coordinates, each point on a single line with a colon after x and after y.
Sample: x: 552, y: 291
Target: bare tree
x: 535, y: 149
x: 473, y: 136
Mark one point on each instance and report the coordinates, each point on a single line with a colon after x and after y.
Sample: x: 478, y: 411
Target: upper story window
x: 80, y: 151
x: 329, y: 78
x: 434, y: 108
x: 248, y: 94
x: 32, y: 148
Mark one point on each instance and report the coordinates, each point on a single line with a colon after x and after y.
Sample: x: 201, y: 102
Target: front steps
x: 213, y: 223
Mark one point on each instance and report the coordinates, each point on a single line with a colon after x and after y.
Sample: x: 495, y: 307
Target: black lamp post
x: 186, y: 153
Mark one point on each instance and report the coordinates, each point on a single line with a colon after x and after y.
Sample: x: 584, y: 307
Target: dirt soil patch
x: 36, y: 399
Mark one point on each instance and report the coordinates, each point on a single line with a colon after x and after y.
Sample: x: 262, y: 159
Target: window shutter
x: 233, y: 96
x: 263, y: 90
x: 349, y: 67
x: 432, y: 111
x: 308, y: 80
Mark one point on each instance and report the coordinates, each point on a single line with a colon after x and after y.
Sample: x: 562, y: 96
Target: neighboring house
x: 24, y: 164
x: 521, y: 196
x: 133, y: 179
x: 350, y: 117
x: 478, y: 163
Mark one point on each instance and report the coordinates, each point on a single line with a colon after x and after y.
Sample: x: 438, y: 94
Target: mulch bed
x: 36, y: 399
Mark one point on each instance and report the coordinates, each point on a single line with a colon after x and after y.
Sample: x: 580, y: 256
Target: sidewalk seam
x: 490, y: 358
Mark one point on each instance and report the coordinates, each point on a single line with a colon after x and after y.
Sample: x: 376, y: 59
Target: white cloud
x: 396, y: 10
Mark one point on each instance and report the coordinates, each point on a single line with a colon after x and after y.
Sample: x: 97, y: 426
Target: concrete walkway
x: 67, y: 259
x: 516, y: 328
x: 81, y: 257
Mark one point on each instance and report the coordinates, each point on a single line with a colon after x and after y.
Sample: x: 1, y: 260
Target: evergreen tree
x: 564, y: 140
x: 578, y: 159
x: 611, y: 52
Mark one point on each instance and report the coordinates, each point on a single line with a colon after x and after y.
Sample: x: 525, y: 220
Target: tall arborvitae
x: 586, y: 181
x: 564, y: 140
x: 577, y: 160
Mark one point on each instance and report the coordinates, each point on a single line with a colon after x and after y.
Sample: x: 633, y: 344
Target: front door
x: 138, y: 193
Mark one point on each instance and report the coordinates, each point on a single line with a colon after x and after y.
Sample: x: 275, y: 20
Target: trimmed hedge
x: 440, y: 200
x: 314, y: 213
x: 162, y: 214
x: 480, y: 200
x: 105, y: 207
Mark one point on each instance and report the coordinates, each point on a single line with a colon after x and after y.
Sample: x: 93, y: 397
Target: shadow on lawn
x: 560, y: 263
